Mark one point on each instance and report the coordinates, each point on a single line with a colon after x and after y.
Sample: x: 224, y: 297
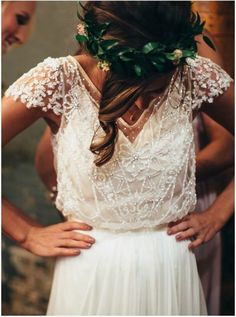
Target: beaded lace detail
x: 209, y: 80
x: 148, y: 182
x: 41, y: 87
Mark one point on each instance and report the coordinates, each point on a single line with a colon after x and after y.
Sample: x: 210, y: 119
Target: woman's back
x: 150, y: 180
x: 127, y: 178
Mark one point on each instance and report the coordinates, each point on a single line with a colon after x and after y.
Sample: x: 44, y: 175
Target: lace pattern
x: 209, y: 80
x: 41, y: 87
x: 146, y: 183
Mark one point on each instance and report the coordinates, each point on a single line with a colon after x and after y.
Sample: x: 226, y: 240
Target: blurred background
x: 27, y: 278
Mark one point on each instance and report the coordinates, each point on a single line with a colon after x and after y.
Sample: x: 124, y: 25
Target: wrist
x: 26, y: 242
x: 220, y: 218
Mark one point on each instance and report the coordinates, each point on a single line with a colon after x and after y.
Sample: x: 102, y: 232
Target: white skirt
x: 139, y: 272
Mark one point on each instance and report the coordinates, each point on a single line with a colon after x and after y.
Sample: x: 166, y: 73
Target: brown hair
x: 133, y: 23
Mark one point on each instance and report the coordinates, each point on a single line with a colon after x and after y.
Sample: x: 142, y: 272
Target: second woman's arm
x: 55, y: 240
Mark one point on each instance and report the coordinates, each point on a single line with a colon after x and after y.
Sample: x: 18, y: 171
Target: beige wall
x: 53, y: 35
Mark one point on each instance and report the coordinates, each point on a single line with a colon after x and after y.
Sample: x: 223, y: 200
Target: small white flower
x: 81, y: 29
x: 104, y: 65
x: 177, y: 54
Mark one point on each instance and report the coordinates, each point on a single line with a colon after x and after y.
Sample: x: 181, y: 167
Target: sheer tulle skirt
x: 140, y: 272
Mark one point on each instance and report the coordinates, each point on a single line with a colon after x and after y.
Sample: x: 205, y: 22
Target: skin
x: 62, y: 239
x: 44, y: 160
x: 203, y: 226
x: 209, y: 160
x: 50, y: 241
x: 16, y: 19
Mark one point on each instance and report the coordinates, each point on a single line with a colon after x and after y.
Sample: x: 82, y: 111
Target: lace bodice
x: 150, y: 179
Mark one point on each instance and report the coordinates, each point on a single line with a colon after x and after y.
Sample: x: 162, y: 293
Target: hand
x: 58, y: 240
x: 198, y: 226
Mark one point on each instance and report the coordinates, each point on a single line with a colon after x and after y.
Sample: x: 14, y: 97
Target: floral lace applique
x: 42, y: 86
x: 209, y: 80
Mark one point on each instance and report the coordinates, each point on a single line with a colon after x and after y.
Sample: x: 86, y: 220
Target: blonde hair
x: 30, y: 25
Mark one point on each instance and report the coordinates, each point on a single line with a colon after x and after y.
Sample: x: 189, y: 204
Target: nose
x: 22, y: 34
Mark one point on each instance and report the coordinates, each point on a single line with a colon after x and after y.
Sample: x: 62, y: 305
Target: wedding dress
x: 134, y: 267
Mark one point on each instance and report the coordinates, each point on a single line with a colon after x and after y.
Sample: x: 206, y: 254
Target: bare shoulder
x: 83, y: 59
x: 205, y: 51
x: 16, y: 118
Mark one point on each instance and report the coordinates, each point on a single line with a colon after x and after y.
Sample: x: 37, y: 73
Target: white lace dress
x: 134, y: 268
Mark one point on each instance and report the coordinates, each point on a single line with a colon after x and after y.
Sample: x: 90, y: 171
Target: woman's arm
x: 44, y: 160
x: 222, y: 110
x: 14, y: 218
x: 55, y: 240
x: 204, y: 225
x: 218, y: 154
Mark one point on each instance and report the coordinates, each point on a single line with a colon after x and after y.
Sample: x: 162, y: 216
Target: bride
x: 121, y: 120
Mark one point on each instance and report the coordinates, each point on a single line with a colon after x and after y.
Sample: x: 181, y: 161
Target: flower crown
x: 152, y: 57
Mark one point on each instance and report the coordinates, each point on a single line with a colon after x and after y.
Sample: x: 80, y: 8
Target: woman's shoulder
x: 65, y: 64
x: 45, y: 84
x: 209, y: 80
x: 56, y: 66
x: 204, y: 67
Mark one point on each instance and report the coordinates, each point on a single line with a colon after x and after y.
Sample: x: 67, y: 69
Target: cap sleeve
x: 42, y: 86
x: 209, y: 80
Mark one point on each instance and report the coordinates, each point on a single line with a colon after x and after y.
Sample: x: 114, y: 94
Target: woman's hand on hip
x: 58, y: 240
x: 200, y: 227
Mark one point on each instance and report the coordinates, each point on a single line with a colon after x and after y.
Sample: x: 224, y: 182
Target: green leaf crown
x: 152, y: 57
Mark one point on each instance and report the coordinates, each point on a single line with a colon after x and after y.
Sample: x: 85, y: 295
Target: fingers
x: 77, y: 236
x: 66, y: 252
x: 198, y: 226
x: 73, y: 225
x: 73, y: 244
x: 59, y: 240
x: 68, y: 242
x: 196, y: 243
x: 174, y: 223
x: 178, y: 228
x: 189, y: 233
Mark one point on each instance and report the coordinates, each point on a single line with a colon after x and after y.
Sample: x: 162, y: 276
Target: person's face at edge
x: 15, y: 20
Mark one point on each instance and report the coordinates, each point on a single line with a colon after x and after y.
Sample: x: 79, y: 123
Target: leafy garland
x: 152, y: 57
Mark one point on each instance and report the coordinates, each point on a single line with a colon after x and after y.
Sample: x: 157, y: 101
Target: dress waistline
x: 159, y: 227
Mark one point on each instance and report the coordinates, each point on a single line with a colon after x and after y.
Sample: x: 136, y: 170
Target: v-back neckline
x: 130, y: 132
